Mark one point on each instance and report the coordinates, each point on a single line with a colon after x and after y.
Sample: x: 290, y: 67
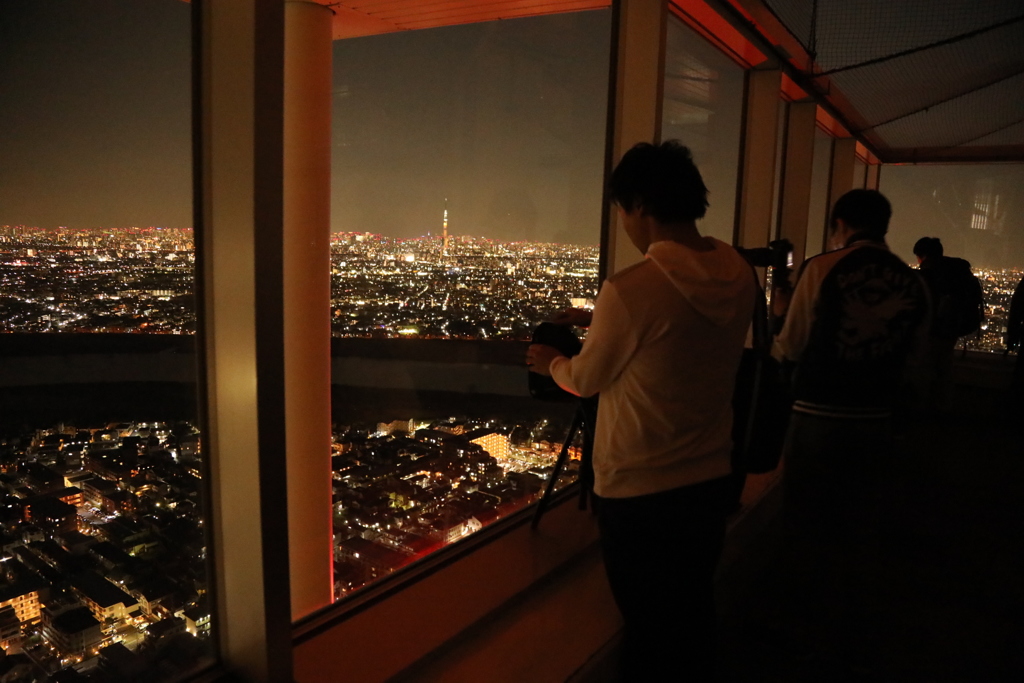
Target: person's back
x: 665, y: 341
x: 1015, y: 342
x: 869, y: 310
x: 958, y: 309
x: 958, y: 306
x: 857, y: 317
x: 686, y: 314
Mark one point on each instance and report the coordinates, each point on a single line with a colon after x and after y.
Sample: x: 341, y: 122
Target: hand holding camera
x: 539, y: 357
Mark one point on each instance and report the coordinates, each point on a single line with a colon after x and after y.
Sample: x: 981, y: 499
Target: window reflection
x: 977, y: 211
x: 703, y: 108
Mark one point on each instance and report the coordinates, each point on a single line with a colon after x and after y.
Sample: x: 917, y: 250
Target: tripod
x: 585, y: 419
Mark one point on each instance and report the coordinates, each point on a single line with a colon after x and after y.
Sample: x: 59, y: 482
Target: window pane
x: 703, y: 108
x: 103, y: 543
x: 817, y: 214
x: 467, y: 173
x: 977, y: 211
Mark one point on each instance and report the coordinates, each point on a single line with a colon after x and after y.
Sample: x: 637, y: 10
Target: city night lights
x: 140, y: 280
x: 103, y: 530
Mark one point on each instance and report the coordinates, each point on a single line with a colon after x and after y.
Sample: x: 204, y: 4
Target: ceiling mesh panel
x: 886, y: 90
x: 854, y: 31
x: 959, y: 121
x: 1013, y: 135
x: 940, y: 97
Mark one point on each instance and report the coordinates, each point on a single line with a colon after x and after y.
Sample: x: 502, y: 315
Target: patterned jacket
x: 858, y: 315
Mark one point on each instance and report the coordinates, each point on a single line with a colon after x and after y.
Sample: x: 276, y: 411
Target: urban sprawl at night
x: 103, y: 549
x: 140, y: 280
x: 101, y: 528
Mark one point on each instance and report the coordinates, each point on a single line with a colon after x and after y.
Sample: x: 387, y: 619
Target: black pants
x: 660, y: 553
x: 834, y: 468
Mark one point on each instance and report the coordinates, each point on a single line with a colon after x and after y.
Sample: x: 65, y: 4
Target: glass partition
x: 102, y: 544
x: 977, y: 211
x: 467, y: 173
x: 703, y: 108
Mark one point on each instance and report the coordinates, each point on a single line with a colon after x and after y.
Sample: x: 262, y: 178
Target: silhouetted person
x: 663, y: 350
x: 1015, y: 342
x: 957, y: 310
x: 856, y: 315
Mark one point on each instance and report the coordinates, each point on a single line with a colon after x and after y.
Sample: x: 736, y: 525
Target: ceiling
x: 355, y: 18
x: 914, y: 80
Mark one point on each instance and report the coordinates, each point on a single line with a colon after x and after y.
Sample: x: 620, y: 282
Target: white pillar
x: 797, y: 166
x: 873, y: 174
x: 841, y: 178
x: 238, y: 222
x: 307, y: 301
x: 757, y: 175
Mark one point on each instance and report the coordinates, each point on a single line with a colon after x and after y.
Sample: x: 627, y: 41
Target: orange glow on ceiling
x: 354, y: 18
x: 699, y: 16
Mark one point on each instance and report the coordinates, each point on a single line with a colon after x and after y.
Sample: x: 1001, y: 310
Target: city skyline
x: 141, y: 280
x: 505, y: 120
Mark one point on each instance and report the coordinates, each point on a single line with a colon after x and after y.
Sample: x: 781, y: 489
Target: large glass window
x: 103, y: 560
x: 466, y: 207
x: 977, y: 211
x: 703, y: 108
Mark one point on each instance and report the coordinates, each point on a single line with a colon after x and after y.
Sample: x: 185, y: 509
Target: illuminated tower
x: 444, y: 230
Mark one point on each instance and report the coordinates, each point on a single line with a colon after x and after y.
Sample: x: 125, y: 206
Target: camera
x: 565, y: 340
x: 778, y: 256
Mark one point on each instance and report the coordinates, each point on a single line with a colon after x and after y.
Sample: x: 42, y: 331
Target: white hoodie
x: 663, y: 350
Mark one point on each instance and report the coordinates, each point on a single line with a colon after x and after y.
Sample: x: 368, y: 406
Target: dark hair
x: 928, y: 247
x: 865, y: 211
x: 661, y: 179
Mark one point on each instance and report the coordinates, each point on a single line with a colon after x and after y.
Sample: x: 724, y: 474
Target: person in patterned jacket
x: 857, y: 320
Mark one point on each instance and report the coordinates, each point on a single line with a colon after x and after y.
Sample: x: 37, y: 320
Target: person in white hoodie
x: 663, y: 349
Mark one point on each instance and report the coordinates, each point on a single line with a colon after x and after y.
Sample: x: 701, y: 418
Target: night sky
x: 94, y: 115
x: 505, y: 119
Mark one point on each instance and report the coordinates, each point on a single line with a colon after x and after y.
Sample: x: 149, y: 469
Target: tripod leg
x: 542, y: 504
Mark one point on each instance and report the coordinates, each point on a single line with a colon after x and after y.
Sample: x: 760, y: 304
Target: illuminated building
x: 51, y: 513
x: 107, y: 602
x: 73, y: 631
x: 72, y: 495
x: 22, y: 594
x: 197, y: 620
x: 10, y: 627
x: 444, y: 230
x: 498, y: 445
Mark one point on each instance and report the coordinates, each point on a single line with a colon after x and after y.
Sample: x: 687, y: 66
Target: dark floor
x: 951, y: 589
